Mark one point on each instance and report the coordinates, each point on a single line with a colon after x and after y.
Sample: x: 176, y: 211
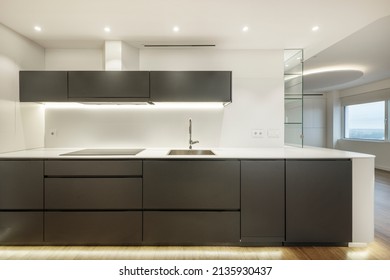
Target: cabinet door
x: 262, y: 201
x: 93, y: 193
x: 93, y: 228
x: 191, y: 227
x: 36, y: 86
x: 21, y: 228
x: 319, y: 201
x: 187, y: 86
x: 21, y: 185
x: 176, y: 184
x: 108, y: 84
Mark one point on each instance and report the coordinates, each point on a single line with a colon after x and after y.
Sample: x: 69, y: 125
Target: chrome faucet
x: 191, y: 142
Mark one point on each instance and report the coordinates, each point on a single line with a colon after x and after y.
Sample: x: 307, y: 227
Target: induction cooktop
x: 104, y: 152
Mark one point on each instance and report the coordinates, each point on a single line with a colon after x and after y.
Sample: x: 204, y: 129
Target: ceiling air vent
x: 178, y: 45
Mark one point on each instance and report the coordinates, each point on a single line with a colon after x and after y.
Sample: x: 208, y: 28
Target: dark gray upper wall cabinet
x: 43, y: 86
x: 126, y: 86
x: 191, y: 86
x: 95, y: 85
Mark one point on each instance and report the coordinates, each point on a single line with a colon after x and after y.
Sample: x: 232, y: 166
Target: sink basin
x: 191, y: 152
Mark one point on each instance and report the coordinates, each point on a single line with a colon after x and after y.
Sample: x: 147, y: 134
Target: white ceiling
x: 276, y: 24
x: 273, y: 24
x: 361, y: 58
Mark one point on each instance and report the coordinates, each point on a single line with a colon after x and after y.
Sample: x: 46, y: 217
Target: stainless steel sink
x: 191, y: 152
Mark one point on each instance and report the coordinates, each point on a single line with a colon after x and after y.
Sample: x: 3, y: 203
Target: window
x: 365, y: 121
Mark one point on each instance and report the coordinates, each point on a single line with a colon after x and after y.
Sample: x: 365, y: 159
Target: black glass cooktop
x: 104, y: 152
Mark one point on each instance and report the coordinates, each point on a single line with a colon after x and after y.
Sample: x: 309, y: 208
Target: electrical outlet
x: 257, y: 133
x: 52, y: 132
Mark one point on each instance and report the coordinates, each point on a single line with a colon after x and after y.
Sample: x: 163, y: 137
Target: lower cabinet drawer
x: 93, y: 228
x: 93, y: 193
x: 93, y: 168
x: 21, y: 228
x: 191, y: 227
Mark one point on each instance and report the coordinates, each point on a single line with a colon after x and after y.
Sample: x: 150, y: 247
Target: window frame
x: 386, y: 122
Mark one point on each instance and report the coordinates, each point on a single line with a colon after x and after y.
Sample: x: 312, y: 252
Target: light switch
x: 273, y: 133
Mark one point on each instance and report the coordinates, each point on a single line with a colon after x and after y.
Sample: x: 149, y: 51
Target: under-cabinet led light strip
x: 157, y: 105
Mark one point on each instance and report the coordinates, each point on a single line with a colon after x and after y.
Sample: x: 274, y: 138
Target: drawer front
x: 185, y: 227
x: 21, y: 185
x: 93, y: 168
x: 21, y: 228
x: 93, y: 193
x: 93, y: 228
x: 207, y: 185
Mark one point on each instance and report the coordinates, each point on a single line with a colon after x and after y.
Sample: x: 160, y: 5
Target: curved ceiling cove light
x: 330, y: 79
x: 37, y: 28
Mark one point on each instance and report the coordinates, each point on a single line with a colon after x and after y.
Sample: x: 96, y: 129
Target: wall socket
x: 257, y: 133
x: 52, y: 132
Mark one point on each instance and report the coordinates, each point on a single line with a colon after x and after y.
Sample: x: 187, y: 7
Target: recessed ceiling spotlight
x: 176, y: 28
x: 315, y: 28
x: 37, y: 28
x: 107, y: 29
x: 245, y: 28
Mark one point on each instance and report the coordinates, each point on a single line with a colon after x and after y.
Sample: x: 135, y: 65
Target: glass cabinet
x: 293, y: 97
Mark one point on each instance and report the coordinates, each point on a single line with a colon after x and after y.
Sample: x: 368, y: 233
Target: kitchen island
x: 244, y: 197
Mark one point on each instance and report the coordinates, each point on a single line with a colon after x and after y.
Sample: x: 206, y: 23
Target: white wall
x: 314, y: 121
x: 74, y: 59
x: 21, y: 124
x: 380, y: 149
x: 257, y: 104
x: 333, y: 119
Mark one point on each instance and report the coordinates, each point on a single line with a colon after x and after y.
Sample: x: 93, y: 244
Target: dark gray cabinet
x: 191, y: 184
x: 21, y: 227
x: 21, y: 185
x: 192, y: 228
x: 93, y: 193
x: 262, y: 201
x: 191, y: 201
x: 43, y: 86
x: 108, y: 85
x: 93, y: 228
x: 86, y: 202
x: 125, y: 86
x: 191, y: 86
x: 21, y: 202
x: 90, y: 168
x: 319, y: 201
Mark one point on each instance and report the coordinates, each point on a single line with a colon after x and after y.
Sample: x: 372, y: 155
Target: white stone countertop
x: 220, y: 153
